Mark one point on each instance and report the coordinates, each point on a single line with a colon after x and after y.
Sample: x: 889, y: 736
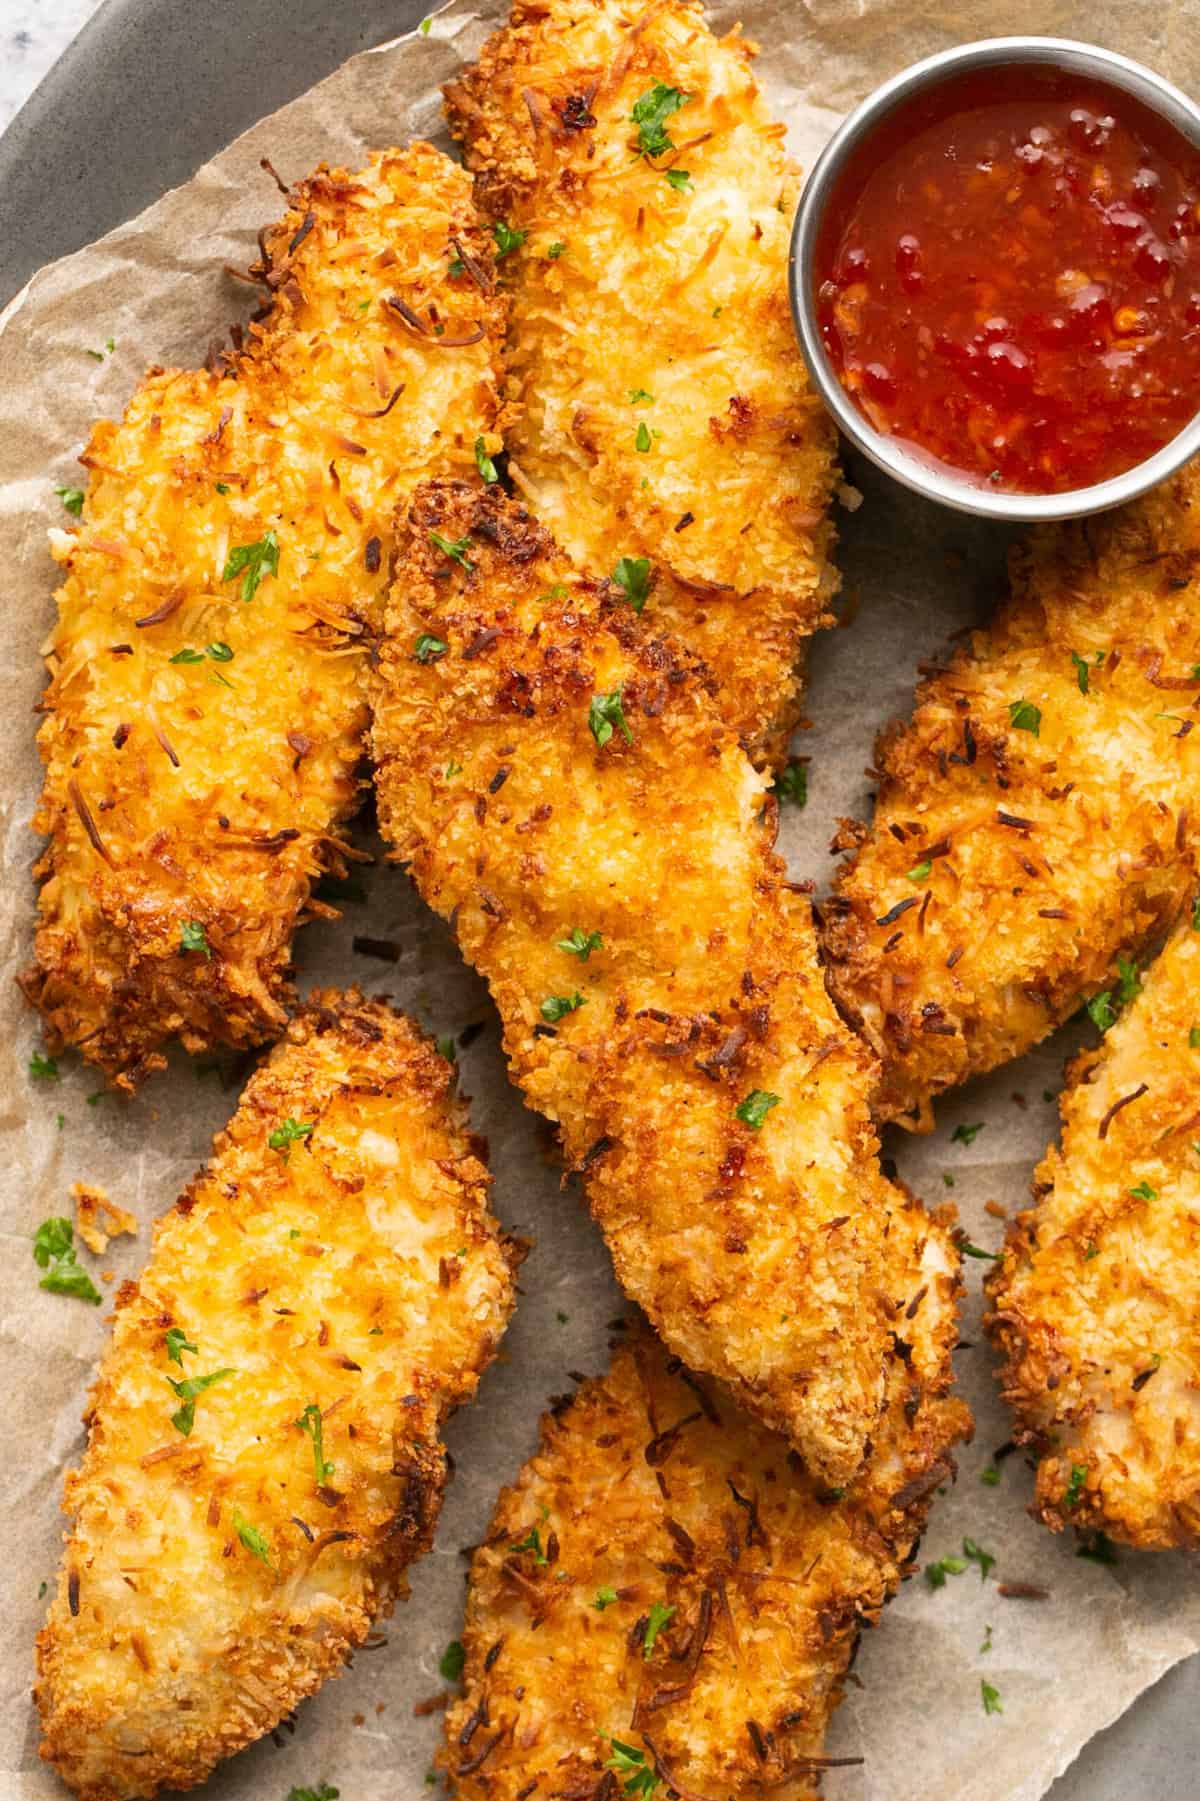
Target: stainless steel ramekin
x: 924, y: 478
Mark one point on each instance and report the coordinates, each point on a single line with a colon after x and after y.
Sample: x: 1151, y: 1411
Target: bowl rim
x: 927, y: 478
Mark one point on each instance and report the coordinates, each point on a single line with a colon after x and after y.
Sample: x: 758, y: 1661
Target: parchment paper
x: 1064, y: 1667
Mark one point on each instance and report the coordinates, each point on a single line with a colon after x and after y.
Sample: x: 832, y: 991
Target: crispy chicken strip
x: 1097, y: 1302
x: 665, y: 412
x: 663, y: 1590
x: 263, y: 1458
x: 205, y: 707
x: 1036, y: 819
x: 564, y: 789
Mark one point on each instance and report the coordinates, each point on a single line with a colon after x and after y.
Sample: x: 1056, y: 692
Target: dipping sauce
x: 1008, y: 279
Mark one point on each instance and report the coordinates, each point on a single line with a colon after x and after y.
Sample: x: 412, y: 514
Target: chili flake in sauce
x: 1008, y: 279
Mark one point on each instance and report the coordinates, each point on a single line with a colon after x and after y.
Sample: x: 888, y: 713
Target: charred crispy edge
x: 148, y: 1003
x: 362, y: 1027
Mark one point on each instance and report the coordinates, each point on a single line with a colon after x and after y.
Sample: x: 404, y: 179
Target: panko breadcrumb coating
x: 263, y: 1457
x: 205, y: 707
x: 664, y: 1590
x: 562, y: 787
x: 1036, y: 820
x: 664, y: 411
x: 1097, y: 1302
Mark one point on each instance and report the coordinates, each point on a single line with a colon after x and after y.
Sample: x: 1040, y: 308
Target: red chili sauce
x: 1008, y: 279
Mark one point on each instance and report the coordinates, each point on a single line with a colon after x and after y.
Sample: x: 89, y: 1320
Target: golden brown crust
x: 210, y: 791
x: 1050, y: 856
x: 355, y: 1270
x: 663, y: 408
x: 650, y: 1490
x: 1097, y: 1302
x: 758, y: 1254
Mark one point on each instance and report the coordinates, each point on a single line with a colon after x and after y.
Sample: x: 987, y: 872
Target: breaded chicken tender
x: 643, y: 202
x: 1036, y: 820
x: 562, y: 786
x: 205, y: 707
x: 263, y: 1457
x: 663, y: 1590
x: 1097, y: 1302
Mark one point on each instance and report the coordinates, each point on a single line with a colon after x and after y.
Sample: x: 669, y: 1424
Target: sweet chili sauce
x: 1008, y: 278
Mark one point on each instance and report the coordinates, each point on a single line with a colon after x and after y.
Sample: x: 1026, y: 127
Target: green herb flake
x: 484, y: 463
x: 252, y: 562
x: 184, y: 1418
x: 452, y: 1661
x: 1143, y: 1192
x: 557, y: 1006
x: 791, y: 784
x: 651, y: 111
x: 936, y: 1573
x: 532, y: 1541
x: 255, y: 1541
x: 192, y: 938
x: 1101, y: 1011
x: 222, y: 487
x: 284, y: 1137
x: 966, y: 1134
x: 627, y: 1760
x: 640, y: 396
x: 1082, y: 666
x: 423, y: 27
x: 660, y: 1615
x: 641, y: 441
x: 44, y: 1069
x: 919, y: 871
x: 679, y: 179
x: 990, y: 1697
x: 973, y: 1250
x: 1073, y: 1493
x: 428, y: 649
x: 456, y: 550
x: 1129, y: 982
x: 555, y: 251
x: 177, y: 1342
x: 1025, y: 717
x: 447, y: 1048
x: 977, y: 1554
x: 987, y: 1642
x: 604, y: 714
x: 579, y: 943
x: 1194, y: 1039
x: 54, y: 1251
x: 947, y: 1178
x: 309, y: 1422
x: 1196, y: 914
x: 507, y: 238
x: 604, y: 1597
x: 754, y: 1109
x: 324, y: 1791
x: 72, y: 499
x: 991, y: 1476
x: 187, y: 655
x: 632, y: 576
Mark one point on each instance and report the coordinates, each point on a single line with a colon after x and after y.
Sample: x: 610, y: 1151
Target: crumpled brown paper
x: 1063, y: 1667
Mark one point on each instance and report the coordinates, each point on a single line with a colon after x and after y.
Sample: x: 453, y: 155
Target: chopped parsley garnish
x: 679, y: 179
x: 1083, y: 664
x: 987, y: 1642
x: 1093, y: 1250
x: 324, y: 1791
x: 650, y: 114
x: 990, y: 1696
x: 973, y: 1250
x: 978, y: 1555
x: 532, y: 1541
x: 453, y: 1658
x: 54, y: 1251
x: 579, y: 943
x: 1104, y: 1007
x: 428, y: 649
x: 1101, y: 1011
x: 641, y: 439
x: 1144, y: 1192
x: 310, y: 1423
x: 255, y: 1541
x: 604, y: 1598
x: 1073, y: 1493
x: 177, y: 1342
x: 555, y: 251
x: 423, y: 28
x: 220, y: 653
x: 626, y: 1759
x: 632, y: 575
x: 604, y: 714
x: 184, y: 1418
x: 1025, y: 717
x: 44, y: 1069
x: 947, y: 1178
x: 638, y: 395
x: 72, y: 499
x: 919, y: 871
x: 557, y: 1006
x: 754, y: 1109
x: 484, y: 463
x: 222, y: 487
x: 991, y: 1476
x: 447, y: 1048
x: 456, y: 551
x: 966, y: 1134
x: 252, y: 562
x: 192, y: 938
x: 1193, y: 1045
x: 507, y: 238
x: 1196, y: 914
x: 284, y: 1137
x: 791, y: 784
x: 660, y: 1615
x: 936, y: 1573
x: 1129, y: 981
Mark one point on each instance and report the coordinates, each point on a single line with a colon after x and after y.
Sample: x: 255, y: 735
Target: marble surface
x: 33, y: 35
